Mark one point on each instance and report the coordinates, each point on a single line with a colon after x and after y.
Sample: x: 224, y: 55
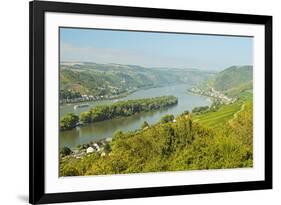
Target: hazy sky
x: 148, y: 49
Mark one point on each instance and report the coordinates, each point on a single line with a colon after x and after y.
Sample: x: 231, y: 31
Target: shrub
x: 65, y: 151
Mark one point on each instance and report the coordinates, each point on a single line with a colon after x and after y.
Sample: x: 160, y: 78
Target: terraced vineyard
x: 220, y: 117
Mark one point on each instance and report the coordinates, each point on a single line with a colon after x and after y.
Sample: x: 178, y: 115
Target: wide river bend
x: 100, y: 130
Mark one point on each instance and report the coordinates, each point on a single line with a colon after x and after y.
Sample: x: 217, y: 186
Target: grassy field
x: 218, y: 118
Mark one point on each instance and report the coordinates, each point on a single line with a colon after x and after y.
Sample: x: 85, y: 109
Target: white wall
x: 14, y: 100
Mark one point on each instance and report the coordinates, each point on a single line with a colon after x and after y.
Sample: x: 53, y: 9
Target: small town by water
x: 105, y: 129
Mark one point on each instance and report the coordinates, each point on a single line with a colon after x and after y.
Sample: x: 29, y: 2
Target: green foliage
x: 182, y: 145
x: 117, y: 80
x: 69, y: 94
x: 242, y: 118
x: 216, y: 104
x: 200, y: 109
x: 232, y: 77
x: 85, y: 117
x: 69, y: 170
x: 215, y: 137
x: 167, y: 118
x: 76, y: 167
x: 117, y: 134
x: 126, y: 108
x: 144, y: 125
x: 169, y: 141
x: 240, y: 90
x: 65, y: 151
x: 107, y: 148
x: 69, y: 121
x: 219, y: 117
x: 186, y: 112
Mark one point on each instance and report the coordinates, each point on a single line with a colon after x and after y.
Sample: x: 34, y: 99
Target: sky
x: 154, y: 49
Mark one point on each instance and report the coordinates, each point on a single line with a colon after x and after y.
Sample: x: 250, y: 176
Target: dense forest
x: 126, y: 108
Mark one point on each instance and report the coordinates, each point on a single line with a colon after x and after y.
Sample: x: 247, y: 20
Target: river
x: 100, y: 130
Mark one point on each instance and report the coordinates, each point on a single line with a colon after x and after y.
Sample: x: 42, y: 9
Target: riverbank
x: 91, y: 98
x: 170, y: 146
x: 103, y: 129
x: 116, y: 110
x: 213, y: 94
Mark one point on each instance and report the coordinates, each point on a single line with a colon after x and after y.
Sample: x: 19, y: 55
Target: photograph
x: 133, y: 101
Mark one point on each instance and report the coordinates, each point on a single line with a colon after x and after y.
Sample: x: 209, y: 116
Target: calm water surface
x: 103, y: 129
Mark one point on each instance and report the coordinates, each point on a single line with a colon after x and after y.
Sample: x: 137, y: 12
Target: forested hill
x: 232, y: 77
x: 174, y: 145
x: 115, y: 79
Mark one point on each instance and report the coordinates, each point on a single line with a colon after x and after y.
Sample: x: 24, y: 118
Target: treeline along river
x: 107, y: 128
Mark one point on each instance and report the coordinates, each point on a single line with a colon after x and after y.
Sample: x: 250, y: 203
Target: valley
x: 94, y: 82
x: 212, y: 114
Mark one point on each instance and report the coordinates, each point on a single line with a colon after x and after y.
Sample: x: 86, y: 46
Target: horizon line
x: 92, y: 62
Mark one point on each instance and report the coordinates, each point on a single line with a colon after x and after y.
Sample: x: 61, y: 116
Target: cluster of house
x: 115, y: 92
x: 211, y: 92
x: 83, y: 98
x: 93, y: 148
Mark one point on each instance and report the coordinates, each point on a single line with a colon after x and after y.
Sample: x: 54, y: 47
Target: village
x: 211, y: 92
x: 100, y: 147
x: 114, y: 94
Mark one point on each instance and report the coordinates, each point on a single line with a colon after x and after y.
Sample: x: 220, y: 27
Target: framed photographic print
x: 140, y: 102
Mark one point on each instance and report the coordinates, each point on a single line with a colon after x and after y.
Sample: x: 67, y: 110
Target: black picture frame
x: 37, y: 11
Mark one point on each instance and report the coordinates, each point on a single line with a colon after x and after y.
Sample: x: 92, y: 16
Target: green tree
x: 69, y: 121
x: 169, y: 141
x: 107, y: 148
x: 186, y: 112
x: 126, y: 108
x: 182, y: 145
x: 85, y: 117
x: 167, y: 118
x: 65, y: 151
x: 200, y: 109
x: 144, y: 125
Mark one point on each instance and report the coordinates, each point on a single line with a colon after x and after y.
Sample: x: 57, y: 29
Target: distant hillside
x: 115, y: 79
x: 233, y: 77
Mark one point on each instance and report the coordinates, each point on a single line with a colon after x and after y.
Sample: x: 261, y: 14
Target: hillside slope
x: 115, y: 79
x: 233, y: 77
x: 172, y: 146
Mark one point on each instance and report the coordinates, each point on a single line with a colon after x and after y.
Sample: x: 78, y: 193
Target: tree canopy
x: 69, y: 121
x: 172, y: 146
